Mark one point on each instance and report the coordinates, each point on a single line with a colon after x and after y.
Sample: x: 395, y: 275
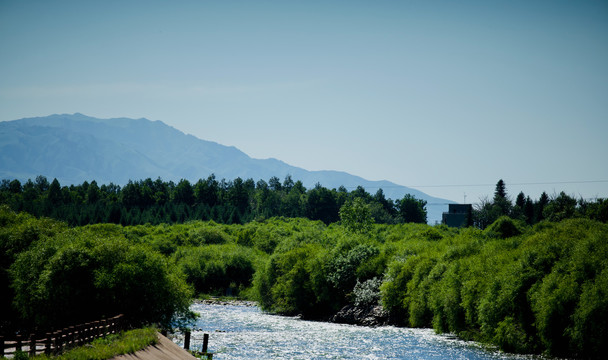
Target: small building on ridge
x: 458, y: 215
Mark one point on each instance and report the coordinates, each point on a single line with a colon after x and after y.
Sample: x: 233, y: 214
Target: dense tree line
x: 241, y: 201
x: 554, y: 208
x: 231, y: 202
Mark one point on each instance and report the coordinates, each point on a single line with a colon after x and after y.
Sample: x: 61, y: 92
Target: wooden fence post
x: 76, y: 335
x: 205, y: 343
x: 72, y: 332
x: 47, y: 343
x: 65, y: 337
x: 85, y: 333
x: 96, y: 329
x: 187, y: 340
x: 82, y: 334
x: 57, y: 340
x: 32, y: 345
x: 121, y: 323
x: 81, y: 338
x: 18, y: 346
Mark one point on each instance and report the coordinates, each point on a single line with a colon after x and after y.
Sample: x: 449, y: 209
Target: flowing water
x: 239, y: 332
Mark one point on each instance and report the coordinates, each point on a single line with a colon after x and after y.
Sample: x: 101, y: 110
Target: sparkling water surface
x: 239, y: 332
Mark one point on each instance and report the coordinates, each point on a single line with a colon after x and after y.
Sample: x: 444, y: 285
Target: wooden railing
x: 54, y: 342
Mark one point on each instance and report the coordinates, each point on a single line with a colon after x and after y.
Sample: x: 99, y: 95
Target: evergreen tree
x: 184, y: 193
x: 502, y: 204
x: 92, y: 193
x: 539, y: 207
x: 54, y: 196
x: 288, y: 184
x: 501, y: 191
x: 529, y: 211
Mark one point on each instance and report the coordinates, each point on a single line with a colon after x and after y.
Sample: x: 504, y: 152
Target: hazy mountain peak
x: 75, y: 147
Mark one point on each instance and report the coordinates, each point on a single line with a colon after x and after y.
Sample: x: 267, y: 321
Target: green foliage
x: 412, y: 209
x: 343, y: 268
x: 18, y: 232
x: 505, y: 227
x: 356, y: 216
x: 77, y: 275
x: 367, y: 293
x: 20, y: 355
x: 560, y: 208
x: 218, y: 269
x: 293, y: 282
x: 538, y: 289
x: 531, y: 293
x: 589, y: 332
x: 511, y: 337
x: 155, y: 202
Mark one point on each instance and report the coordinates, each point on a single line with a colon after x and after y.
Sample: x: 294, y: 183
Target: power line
x: 485, y: 185
x: 519, y: 184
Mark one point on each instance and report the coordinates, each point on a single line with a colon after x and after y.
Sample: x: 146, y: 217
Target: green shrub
x: 214, y: 269
x: 505, y: 227
x: 77, y: 277
x: 511, y: 337
x: 367, y: 293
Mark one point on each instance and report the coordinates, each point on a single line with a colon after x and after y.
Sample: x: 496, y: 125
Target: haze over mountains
x: 77, y: 148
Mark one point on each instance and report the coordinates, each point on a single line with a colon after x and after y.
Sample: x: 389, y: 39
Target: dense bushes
x: 527, y: 289
x: 539, y: 289
x: 527, y: 294
x: 218, y: 269
x: 60, y: 276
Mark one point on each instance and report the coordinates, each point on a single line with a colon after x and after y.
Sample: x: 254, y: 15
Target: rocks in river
x: 217, y: 301
x: 372, y: 315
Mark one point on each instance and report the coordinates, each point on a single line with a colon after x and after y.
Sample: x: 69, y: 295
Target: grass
x: 126, y: 342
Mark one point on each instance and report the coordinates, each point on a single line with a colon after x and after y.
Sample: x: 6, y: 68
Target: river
x: 240, y: 332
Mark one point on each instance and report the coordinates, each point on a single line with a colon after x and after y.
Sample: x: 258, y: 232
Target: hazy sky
x: 421, y: 93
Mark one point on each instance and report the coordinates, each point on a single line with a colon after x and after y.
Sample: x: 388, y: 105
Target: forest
x: 236, y: 201
x: 526, y: 284
x: 240, y: 201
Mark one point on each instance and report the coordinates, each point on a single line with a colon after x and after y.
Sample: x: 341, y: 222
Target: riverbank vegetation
x: 539, y: 288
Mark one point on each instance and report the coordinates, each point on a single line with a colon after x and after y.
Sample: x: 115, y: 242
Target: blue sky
x: 422, y: 93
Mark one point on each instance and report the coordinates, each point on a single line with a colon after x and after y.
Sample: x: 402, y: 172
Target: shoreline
x: 368, y: 316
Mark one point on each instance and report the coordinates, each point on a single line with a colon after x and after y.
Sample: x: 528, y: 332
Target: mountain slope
x: 75, y: 148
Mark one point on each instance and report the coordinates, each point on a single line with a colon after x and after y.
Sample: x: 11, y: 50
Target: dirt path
x: 165, y: 349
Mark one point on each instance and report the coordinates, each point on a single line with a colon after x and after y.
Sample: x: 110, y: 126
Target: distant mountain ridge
x: 77, y: 148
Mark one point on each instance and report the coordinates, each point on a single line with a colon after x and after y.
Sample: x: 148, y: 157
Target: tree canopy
x: 236, y: 201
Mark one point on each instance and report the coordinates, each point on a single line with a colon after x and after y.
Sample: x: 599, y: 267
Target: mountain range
x: 77, y: 148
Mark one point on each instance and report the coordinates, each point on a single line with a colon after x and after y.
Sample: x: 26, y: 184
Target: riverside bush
x: 214, y: 269
x: 57, y: 276
x: 367, y: 293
